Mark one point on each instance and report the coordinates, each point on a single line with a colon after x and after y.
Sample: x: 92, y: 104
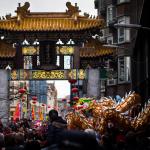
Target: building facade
x: 141, y: 56
x: 38, y: 89
x: 120, y: 66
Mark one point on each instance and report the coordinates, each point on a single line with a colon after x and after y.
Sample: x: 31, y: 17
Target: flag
x: 41, y: 116
x: 17, y: 112
x: 33, y: 114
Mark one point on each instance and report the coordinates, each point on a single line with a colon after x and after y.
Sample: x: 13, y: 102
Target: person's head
x: 53, y: 115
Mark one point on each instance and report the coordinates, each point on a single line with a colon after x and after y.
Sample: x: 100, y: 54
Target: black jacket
x: 54, y: 131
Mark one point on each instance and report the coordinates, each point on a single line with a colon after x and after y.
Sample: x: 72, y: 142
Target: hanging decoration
x: 64, y: 100
x: 48, y: 106
x: 72, y: 81
x: 75, y: 98
x: 34, y: 102
x: 74, y: 90
x: 34, y: 98
x: 22, y: 90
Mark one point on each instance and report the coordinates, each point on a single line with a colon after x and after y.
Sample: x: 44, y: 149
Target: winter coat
x: 54, y: 131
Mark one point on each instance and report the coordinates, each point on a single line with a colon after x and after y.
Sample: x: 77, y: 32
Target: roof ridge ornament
x: 8, y: 16
x: 73, y: 10
x: 22, y: 11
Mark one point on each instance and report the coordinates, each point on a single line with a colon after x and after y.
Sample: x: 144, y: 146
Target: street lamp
x: 134, y: 26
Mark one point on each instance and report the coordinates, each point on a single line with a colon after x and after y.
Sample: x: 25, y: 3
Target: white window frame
x: 110, y: 40
x: 123, y: 33
x: 124, y: 69
x: 122, y: 1
x: 111, y: 13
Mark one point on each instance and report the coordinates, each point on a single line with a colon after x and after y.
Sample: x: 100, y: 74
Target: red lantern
x: 34, y: 98
x: 76, y: 98
x: 74, y: 90
x: 23, y: 99
x: 22, y: 91
x: 63, y: 99
x: 72, y: 81
x: 43, y: 105
x: 34, y: 102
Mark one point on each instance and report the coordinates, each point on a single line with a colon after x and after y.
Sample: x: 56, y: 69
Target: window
x: 110, y: 40
x: 123, y: 1
x: 30, y: 56
x: 124, y: 66
x: 123, y: 33
x: 65, y: 55
x: 102, y: 84
x: 27, y: 62
x: 111, y: 13
x: 67, y: 62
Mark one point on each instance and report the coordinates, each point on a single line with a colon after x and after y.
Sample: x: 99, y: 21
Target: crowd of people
x: 54, y: 135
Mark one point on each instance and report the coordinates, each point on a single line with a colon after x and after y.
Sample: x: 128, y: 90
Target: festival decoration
x: 129, y: 101
x: 41, y: 117
x: 43, y: 105
x: 34, y: 98
x: 48, y: 106
x: 33, y: 114
x: 64, y: 99
x: 74, y: 90
x: 143, y: 117
x: 75, y: 98
x: 34, y: 102
x: 17, y: 112
x: 108, y: 110
x: 72, y: 81
x: 22, y: 90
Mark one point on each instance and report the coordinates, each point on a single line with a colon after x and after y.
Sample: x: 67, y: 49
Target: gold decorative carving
x: 30, y: 50
x: 48, y: 75
x: 22, y: 10
x: 66, y: 50
x: 72, y: 10
x: 45, y: 75
x: 81, y: 74
x: 14, y: 75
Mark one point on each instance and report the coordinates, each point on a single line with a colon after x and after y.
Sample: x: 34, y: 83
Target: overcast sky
x: 9, y: 6
x: 62, y: 86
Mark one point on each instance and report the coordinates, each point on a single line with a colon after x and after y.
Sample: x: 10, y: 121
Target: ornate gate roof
x: 94, y: 48
x: 70, y: 20
x: 6, y: 50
